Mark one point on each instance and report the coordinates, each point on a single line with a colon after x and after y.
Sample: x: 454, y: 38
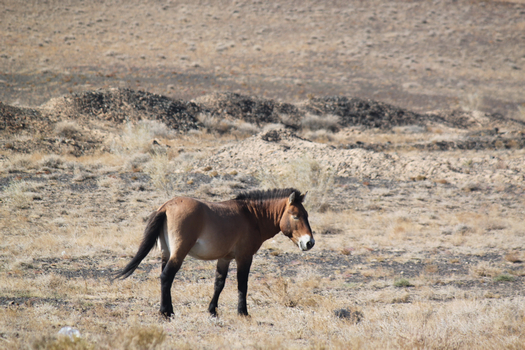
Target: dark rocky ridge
x: 118, y: 106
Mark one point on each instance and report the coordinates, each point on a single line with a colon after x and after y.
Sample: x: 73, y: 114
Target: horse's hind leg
x: 220, y: 280
x: 166, y: 280
x: 180, y: 249
x: 165, y: 251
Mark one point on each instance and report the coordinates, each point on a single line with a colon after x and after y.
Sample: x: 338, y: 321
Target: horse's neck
x: 268, y: 214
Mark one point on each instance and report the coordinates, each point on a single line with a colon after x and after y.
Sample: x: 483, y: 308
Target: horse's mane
x: 276, y: 193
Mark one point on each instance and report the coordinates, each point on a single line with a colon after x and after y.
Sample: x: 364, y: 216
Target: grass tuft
x: 504, y: 278
x: 138, y: 338
x: 61, y: 343
x: 223, y: 125
x: 321, y: 122
x: 160, y: 169
x: 67, y: 129
x: 16, y: 196
x: 402, y: 282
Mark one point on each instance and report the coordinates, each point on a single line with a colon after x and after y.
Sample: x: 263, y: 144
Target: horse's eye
x: 295, y: 217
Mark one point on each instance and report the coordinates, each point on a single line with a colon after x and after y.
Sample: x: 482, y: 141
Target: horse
x: 222, y: 231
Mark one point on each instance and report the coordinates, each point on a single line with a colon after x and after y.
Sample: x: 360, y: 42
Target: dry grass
x: 48, y: 244
x: 67, y: 129
x: 325, y: 122
x: 304, y: 174
x: 16, y: 195
x: 59, y: 237
x: 286, y: 312
x: 237, y: 128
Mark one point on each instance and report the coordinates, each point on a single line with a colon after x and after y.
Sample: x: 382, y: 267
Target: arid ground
x: 404, y: 121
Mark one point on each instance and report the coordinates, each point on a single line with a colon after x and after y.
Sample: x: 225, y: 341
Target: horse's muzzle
x: 306, y: 242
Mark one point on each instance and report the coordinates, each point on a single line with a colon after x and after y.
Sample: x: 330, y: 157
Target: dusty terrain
x: 404, y: 120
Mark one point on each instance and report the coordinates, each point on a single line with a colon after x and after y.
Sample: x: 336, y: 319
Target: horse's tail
x: 151, y: 234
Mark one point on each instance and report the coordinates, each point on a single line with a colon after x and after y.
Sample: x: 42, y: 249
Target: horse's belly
x: 205, y: 250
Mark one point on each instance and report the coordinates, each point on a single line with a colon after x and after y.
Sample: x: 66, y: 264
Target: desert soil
x: 405, y: 121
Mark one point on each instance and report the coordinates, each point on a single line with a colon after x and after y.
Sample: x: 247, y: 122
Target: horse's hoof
x: 214, y: 314
x: 166, y: 314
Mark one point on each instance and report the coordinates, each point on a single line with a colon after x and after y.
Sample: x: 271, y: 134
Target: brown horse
x: 233, y: 229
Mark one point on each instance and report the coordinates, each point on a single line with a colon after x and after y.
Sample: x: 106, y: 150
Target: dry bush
x: 51, y: 161
x: 138, y: 137
x: 140, y: 337
x: 401, y: 228
x: 168, y: 175
x: 223, y: 125
x: 321, y: 122
x: 61, y: 343
x: 16, y: 195
x: 159, y: 169
x: 321, y: 135
x: 484, y: 269
x: 137, y: 162
x: 157, y: 129
x: 67, y: 129
x: 292, y: 294
x: 21, y: 162
x: 305, y: 174
x: 472, y: 102
x: 520, y: 113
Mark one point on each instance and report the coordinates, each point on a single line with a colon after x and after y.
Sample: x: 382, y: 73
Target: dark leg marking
x: 220, y: 279
x: 164, y: 261
x: 243, y: 270
x: 166, y: 280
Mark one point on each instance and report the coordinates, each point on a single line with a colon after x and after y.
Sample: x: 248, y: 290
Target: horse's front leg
x: 220, y: 280
x: 243, y: 270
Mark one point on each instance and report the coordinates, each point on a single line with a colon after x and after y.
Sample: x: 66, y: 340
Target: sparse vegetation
x: 161, y: 171
x: 16, y: 195
x: 402, y: 282
x: 305, y: 174
x: 321, y: 122
x: 418, y: 217
x: 472, y: 102
x: 222, y: 125
x: 61, y: 343
x: 67, y: 129
x: 504, y: 278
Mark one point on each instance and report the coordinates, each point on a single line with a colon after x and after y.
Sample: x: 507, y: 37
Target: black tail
x: 151, y: 234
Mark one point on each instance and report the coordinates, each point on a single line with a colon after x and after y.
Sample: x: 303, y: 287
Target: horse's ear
x: 303, y: 196
x: 291, y: 199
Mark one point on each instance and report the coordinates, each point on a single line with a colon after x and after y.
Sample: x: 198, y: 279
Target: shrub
x: 159, y: 169
x: 15, y: 195
x: 223, y: 125
x: 61, y: 343
x: 402, y: 282
x: 52, y: 161
x: 137, y: 137
x: 318, y: 122
x: 504, y: 278
x: 305, y: 174
x: 67, y: 129
x: 143, y: 338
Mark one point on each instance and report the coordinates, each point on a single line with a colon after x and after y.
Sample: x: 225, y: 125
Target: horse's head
x: 294, y: 222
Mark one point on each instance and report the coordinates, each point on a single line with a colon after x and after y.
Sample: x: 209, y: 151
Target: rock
x: 70, y: 332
